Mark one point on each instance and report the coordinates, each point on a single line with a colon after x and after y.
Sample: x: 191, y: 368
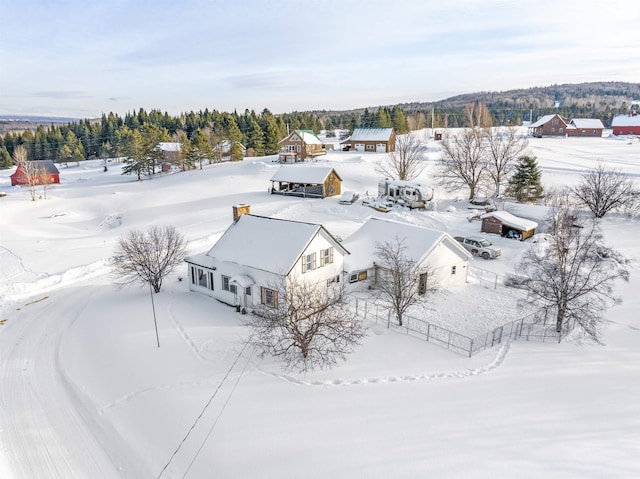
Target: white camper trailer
x: 407, y: 193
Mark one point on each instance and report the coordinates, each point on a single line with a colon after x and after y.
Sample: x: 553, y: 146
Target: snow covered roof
x: 302, y: 174
x: 371, y: 134
x: 626, y: 120
x: 169, y: 146
x: 245, y: 242
x: 512, y: 220
x: 419, y: 241
x: 587, y: 123
x: 542, y: 121
x: 47, y: 165
x: 307, y: 136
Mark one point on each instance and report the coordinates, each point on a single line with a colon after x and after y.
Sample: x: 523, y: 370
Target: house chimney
x: 239, y: 210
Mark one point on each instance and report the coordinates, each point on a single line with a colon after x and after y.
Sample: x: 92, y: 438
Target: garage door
x: 359, y: 147
x: 381, y: 148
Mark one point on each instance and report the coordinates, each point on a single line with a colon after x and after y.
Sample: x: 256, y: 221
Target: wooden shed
x: 306, y: 181
x: 506, y: 224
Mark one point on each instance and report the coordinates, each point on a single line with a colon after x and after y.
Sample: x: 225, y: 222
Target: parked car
x: 479, y: 246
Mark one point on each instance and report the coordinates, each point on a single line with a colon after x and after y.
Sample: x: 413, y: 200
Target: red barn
x: 626, y: 124
x: 42, y: 171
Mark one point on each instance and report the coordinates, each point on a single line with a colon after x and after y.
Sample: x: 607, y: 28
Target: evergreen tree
x: 399, y: 120
x: 255, y: 138
x: 271, y: 136
x: 383, y: 120
x: 200, y: 148
x: 5, y: 159
x: 525, y: 185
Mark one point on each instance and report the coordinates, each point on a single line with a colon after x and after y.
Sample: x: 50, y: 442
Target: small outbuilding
x: 35, y: 173
x: 506, y: 224
x: 306, y: 181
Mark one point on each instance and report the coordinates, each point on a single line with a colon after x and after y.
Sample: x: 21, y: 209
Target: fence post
x: 428, y: 330
x: 388, y: 319
x: 366, y: 304
x: 471, y: 348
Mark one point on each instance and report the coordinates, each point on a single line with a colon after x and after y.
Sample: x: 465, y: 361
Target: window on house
x: 298, y: 148
x: 453, y: 270
x: 193, y: 275
x: 422, y: 283
x: 326, y: 256
x: 269, y: 297
x: 210, y: 280
x: 202, y: 278
x: 370, y: 147
x: 226, y: 286
x: 308, y: 262
x: 247, y: 291
x: 554, y: 121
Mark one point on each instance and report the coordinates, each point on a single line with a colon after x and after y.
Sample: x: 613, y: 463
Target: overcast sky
x: 83, y: 58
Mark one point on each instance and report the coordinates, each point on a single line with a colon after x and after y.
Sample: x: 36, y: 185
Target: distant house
x: 35, y: 172
x: 257, y: 254
x: 549, y: 125
x: 434, y: 250
x: 372, y: 140
x: 306, y: 181
x: 222, y: 150
x: 299, y: 145
x: 506, y: 224
x: 556, y: 125
x: 585, y: 127
x: 626, y: 124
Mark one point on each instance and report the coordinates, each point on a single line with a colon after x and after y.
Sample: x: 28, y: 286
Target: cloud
x: 60, y: 94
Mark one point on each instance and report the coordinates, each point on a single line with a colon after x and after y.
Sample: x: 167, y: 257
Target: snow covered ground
x: 86, y: 393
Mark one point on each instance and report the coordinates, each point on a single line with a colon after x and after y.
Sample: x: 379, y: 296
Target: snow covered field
x: 86, y: 393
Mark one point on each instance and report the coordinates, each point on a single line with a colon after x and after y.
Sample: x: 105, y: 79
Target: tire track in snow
x: 497, y: 361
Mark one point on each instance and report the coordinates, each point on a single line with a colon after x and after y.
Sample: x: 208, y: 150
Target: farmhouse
x: 434, y: 250
x: 35, y: 173
x: 372, y: 140
x: 257, y: 254
x: 306, y: 181
x: 556, y: 125
x: 299, y: 145
x: 506, y: 224
x: 626, y: 124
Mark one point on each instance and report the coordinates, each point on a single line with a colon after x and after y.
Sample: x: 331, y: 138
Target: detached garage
x: 371, y: 140
x: 506, y: 224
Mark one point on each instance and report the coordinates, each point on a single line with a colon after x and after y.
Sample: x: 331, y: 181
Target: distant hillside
x: 18, y: 123
x: 600, y: 100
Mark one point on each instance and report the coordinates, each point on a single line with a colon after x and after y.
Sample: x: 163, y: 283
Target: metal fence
x: 530, y: 328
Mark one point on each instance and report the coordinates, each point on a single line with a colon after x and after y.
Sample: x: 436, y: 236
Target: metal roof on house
x: 307, y: 136
x: 542, y: 121
x: 371, y: 134
x: 302, y: 174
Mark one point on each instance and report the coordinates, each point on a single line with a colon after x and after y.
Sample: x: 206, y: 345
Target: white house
x: 257, y: 254
x: 432, y: 249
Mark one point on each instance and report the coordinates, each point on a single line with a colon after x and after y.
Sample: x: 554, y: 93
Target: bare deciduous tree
x: 149, y: 256
x: 463, y: 163
x: 477, y: 115
x: 504, y: 149
x: 308, y: 326
x: 571, y: 277
x: 399, y: 283
x: 405, y: 163
x: 603, y: 190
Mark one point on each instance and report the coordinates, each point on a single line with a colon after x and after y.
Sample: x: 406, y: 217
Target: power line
x: 204, y: 409
x: 224, y: 406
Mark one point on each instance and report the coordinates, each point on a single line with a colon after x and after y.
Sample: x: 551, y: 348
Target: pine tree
x: 399, y: 120
x: 383, y: 120
x: 200, y: 148
x: 525, y: 185
x: 5, y: 159
x: 256, y: 138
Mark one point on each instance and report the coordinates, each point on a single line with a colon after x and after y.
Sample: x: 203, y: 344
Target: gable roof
x: 512, y: 220
x: 546, y: 119
x: 371, y: 134
x: 588, y: 123
x: 48, y: 166
x: 626, y: 120
x: 418, y: 240
x: 245, y: 240
x: 307, y: 136
x: 303, y: 174
x: 169, y: 146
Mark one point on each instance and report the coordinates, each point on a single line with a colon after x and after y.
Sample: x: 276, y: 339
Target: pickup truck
x: 479, y: 246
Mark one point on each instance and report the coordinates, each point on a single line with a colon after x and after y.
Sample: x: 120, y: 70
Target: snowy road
x: 48, y: 430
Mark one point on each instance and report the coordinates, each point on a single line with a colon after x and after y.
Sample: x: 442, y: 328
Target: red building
x: 626, y: 124
x: 41, y: 171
